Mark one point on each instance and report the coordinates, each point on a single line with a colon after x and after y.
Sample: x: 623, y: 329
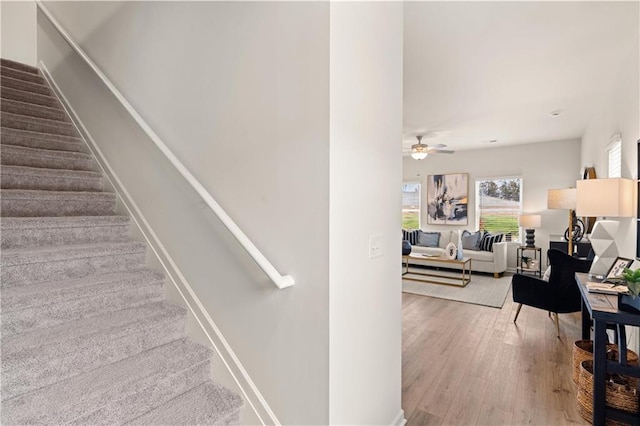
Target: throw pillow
x: 411, y: 236
x: 428, y: 239
x: 471, y: 240
x: 547, y: 274
x: 488, y: 240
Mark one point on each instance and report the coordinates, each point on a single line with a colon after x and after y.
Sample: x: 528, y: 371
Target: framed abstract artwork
x: 447, y: 199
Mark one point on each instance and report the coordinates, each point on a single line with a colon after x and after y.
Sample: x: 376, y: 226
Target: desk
x: 603, y: 309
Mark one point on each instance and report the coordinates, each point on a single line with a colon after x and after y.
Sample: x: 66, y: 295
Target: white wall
x: 542, y: 166
x: 365, y: 163
x: 620, y: 113
x: 240, y: 93
x: 18, y: 31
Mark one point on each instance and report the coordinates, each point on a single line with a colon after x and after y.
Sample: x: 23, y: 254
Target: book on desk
x: 606, y: 288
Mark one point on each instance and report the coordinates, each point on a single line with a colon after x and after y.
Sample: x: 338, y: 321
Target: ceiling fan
x: 419, y: 151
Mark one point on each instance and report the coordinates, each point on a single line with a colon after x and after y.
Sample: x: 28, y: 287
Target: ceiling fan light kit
x: 420, y: 151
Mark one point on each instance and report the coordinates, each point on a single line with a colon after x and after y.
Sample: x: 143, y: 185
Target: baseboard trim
x: 399, y: 420
x: 250, y: 392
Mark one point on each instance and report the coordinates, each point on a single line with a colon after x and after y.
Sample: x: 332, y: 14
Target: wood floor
x: 466, y: 364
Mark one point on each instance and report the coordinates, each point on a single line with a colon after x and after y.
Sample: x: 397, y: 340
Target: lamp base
x: 604, y: 246
x: 530, y: 238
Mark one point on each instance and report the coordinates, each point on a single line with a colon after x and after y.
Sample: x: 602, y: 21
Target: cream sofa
x: 494, y: 262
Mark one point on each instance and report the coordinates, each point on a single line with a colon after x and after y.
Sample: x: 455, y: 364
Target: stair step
x: 21, y: 75
x: 13, y: 155
x: 25, y: 138
x: 21, y: 177
x: 208, y: 403
x: 27, y: 86
x: 119, y: 392
x: 35, y: 124
x: 31, y: 203
x: 33, y: 110
x: 18, y: 65
x: 30, y: 307
x: 25, y: 266
x: 29, y: 97
x: 16, y: 232
x: 42, y: 357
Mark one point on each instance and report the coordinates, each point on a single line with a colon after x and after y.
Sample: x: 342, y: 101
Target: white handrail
x: 281, y: 281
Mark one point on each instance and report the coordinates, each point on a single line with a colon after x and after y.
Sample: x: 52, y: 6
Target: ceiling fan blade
x: 438, y: 146
x: 440, y: 151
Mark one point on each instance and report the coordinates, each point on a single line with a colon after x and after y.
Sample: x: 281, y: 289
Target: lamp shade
x: 529, y: 221
x: 612, y: 197
x: 561, y: 199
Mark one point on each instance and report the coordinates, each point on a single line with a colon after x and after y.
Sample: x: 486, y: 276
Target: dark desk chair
x: 560, y: 295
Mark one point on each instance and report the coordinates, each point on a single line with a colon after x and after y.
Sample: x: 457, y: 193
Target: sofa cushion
x: 482, y: 256
x: 428, y: 239
x: 471, y: 240
x: 427, y: 250
x: 488, y: 240
x: 445, y: 238
x: 411, y: 236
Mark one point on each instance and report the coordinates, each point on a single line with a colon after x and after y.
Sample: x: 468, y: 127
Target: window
x: 498, y: 204
x: 411, y: 205
x: 614, y: 153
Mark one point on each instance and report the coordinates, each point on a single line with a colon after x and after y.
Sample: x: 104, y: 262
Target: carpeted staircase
x: 87, y: 337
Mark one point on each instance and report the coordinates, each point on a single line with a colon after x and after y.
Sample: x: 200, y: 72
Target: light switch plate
x: 375, y: 246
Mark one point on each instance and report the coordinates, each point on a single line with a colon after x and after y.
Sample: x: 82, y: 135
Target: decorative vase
x: 450, y: 251
x: 459, y: 256
x: 406, y: 248
x: 628, y: 303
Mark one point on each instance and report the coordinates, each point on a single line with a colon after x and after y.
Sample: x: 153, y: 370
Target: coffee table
x: 437, y: 278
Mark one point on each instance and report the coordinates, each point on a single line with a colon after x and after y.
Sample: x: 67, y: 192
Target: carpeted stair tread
x: 18, y: 65
x: 117, y: 392
x: 29, y: 307
x: 13, y: 155
x: 25, y: 266
x: 31, y: 110
x: 42, y: 357
x: 22, y: 177
x: 35, y: 124
x: 26, y: 202
x: 65, y: 230
x: 29, y: 255
x: 21, y: 75
x: 29, y: 98
x: 208, y: 404
x: 27, y: 86
x: 47, y: 141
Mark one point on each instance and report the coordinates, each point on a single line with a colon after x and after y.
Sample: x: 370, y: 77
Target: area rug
x: 482, y: 290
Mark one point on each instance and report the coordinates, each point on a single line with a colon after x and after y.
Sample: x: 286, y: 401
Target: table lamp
x: 530, y: 222
x: 564, y: 199
x: 612, y: 197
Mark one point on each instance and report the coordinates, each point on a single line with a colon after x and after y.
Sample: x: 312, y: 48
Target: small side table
x: 524, y: 268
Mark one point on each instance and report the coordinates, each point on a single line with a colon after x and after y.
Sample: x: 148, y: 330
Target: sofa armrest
x: 500, y: 257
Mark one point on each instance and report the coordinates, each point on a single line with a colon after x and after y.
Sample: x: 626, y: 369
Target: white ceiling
x: 476, y: 71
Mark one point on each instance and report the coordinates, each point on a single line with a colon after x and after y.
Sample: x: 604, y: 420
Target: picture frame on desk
x: 616, y: 270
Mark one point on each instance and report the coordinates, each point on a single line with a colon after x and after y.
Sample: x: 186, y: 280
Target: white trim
x: 248, y: 388
x: 399, y: 420
x: 281, y: 281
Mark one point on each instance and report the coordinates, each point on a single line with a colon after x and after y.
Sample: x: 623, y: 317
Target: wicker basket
x: 620, y: 396
x: 583, y: 350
